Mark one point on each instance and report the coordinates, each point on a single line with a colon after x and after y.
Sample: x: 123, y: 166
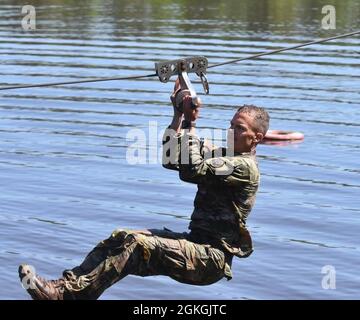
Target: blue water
x: 66, y: 182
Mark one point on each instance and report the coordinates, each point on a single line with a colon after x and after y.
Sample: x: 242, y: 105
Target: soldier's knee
x: 134, y: 241
x: 120, y: 234
x: 127, y: 236
x: 123, y: 234
x: 116, y: 238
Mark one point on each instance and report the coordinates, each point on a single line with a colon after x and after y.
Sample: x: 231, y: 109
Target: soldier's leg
x: 110, y: 247
x: 110, y: 261
x: 139, y: 254
x: 105, y: 248
x: 104, y: 265
x: 144, y: 254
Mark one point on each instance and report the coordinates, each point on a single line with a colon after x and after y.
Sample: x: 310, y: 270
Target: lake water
x: 65, y: 180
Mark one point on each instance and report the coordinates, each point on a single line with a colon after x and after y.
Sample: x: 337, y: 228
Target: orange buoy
x: 281, y: 135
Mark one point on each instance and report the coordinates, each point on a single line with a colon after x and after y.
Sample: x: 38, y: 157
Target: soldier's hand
x: 190, y: 113
x: 177, y: 87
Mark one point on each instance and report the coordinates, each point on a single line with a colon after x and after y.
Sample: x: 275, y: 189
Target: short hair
x: 260, y: 115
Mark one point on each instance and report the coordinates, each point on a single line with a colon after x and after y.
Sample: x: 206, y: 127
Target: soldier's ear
x: 258, y: 137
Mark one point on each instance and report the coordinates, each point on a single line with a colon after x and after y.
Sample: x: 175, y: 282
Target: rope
x: 212, y: 66
x: 75, y: 82
x: 285, y: 49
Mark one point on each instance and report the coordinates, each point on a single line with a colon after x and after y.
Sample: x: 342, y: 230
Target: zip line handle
x: 186, y: 86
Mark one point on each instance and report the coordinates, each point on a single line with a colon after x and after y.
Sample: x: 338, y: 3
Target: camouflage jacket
x: 226, y: 190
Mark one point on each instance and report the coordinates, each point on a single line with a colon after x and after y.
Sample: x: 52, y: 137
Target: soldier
x: 226, y: 192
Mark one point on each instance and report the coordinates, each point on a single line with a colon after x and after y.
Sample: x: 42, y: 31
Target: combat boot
x: 38, y: 287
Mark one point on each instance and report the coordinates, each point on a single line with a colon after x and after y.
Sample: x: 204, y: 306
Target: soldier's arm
x: 171, y: 149
x: 195, y: 169
x: 171, y: 138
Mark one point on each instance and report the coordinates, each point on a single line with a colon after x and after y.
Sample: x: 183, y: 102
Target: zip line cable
x: 285, y: 49
x: 78, y: 81
x: 154, y: 75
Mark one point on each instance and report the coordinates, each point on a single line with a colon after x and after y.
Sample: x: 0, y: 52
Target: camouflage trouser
x: 145, y: 253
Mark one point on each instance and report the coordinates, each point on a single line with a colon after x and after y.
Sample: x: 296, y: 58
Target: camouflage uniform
x: 226, y: 193
x: 227, y: 187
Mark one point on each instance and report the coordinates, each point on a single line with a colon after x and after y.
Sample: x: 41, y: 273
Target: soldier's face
x: 241, y: 135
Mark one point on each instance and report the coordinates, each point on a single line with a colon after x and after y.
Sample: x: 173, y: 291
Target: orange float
x: 282, y: 135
